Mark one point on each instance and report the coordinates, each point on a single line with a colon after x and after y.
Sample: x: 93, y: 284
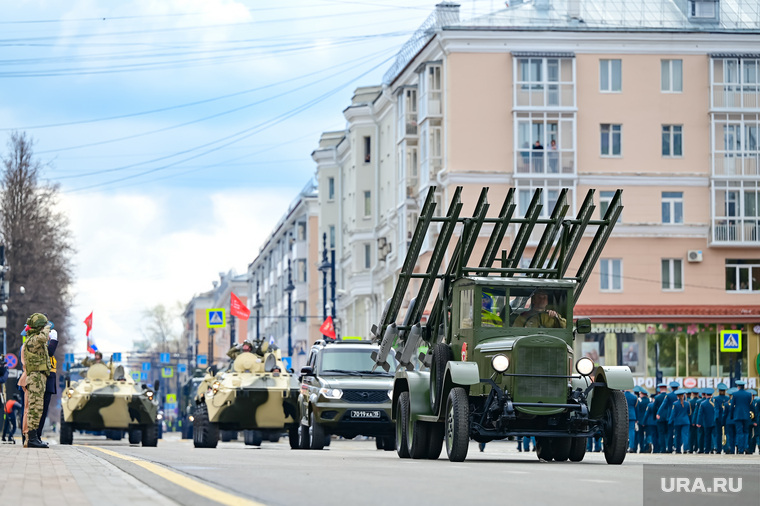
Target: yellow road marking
x: 183, y: 481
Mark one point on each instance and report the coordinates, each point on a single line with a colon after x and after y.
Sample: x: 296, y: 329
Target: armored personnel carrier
x: 500, y: 334
x: 256, y: 395
x: 106, y: 399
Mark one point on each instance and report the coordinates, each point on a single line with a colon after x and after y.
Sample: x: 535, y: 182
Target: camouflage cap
x: 37, y: 321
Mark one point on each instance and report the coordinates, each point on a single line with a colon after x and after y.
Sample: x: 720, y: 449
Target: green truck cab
x: 499, y: 338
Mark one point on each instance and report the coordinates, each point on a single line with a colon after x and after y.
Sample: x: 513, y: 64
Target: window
x: 367, y: 204
x: 301, y: 310
x: 367, y: 256
x: 611, y: 139
x: 549, y: 196
x: 465, y: 308
x: 301, y: 270
x: 367, y: 150
x: 671, y: 76
x: 743, y: 275
x: 704, y: 9
x: 672, y: 274
x: 611, y: 274
x: 672, y: 140
x: 610, y: 76
x: 544, y: 82
x: 672, y: 207
x: 332, y: 236
x: 605, y: 199
x: 301, y: 231
x: 330, y: 188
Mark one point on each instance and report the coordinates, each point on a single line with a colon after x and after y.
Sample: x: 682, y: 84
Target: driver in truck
x: 538, y: 315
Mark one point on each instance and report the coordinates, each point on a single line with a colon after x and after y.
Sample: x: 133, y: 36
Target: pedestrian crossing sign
x: 215, y: 318
x: 730, y: 340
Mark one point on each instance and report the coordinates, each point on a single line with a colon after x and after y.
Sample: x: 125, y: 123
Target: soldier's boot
x: 25, y: 440
x: 34, y: 440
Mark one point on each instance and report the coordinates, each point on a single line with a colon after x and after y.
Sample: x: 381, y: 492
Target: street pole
x: 332, y: 281
x: 232, y: 330
x: 257, y: 307
x: 323, y: 268
x: 289, y: 289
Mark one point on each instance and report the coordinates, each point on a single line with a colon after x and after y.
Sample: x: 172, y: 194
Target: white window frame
x: 330, y: 189
x: 605, y: 199
x: 749, y: 267
x: 367, y: 204
x: 367, y: 255
x: 607, y: 70
x: 673, y: 202
x: 674, y: 266
x: 607, y: 283
x: 612, y: 129
x: 549, y: 196
x: 669, y: 69
x: 331, y: 236
x: 671, y: 133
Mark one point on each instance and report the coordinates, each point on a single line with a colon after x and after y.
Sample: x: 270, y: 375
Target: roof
x: 669, y: 314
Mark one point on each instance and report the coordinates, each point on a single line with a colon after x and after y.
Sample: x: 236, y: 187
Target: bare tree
x: 38, y: 242
x: 160, y: 333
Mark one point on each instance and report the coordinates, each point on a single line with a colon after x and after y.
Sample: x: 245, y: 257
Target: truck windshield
x: 351, y: 362
x: 537, y: 307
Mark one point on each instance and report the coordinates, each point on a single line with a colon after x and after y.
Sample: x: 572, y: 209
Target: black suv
x: 341, y: 395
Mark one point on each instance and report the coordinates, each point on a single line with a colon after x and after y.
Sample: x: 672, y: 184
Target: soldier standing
x: 37, y: 368
x: 659, y: 427
x: 706, y: 422
x: 741, y: 405
x: 720, y: 401
x: 631, y: 400
x: 663, y: 414
x: 642, y: 440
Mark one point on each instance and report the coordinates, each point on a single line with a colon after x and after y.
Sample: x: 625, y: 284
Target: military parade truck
x: 255, y: 394
x: 106, y: 399
x: 500, y: 335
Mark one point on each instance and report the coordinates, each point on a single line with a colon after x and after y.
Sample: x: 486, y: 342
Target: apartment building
x: 660, y: 98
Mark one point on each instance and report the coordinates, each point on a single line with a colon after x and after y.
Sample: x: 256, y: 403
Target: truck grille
x: 368, y: 396
x: 541, y: 361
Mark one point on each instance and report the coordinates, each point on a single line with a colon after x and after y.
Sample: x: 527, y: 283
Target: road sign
x: 69, y: 358
x: 11, y: 361
x: 167, y: 372
x: 201, y: 360
x: 170, y: 405
x: 215, y: 318
x: 171, y: 397
x: 116, y: 357
x: 731, y: 340
x: 181, y: 367
x: 288, y: 362
x: 136, y: 376
x: 143, y: 376
x: 146, y: 366
x: 165, y: 358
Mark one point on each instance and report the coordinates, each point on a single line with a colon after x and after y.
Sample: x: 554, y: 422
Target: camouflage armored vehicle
x: 255, y: 394
x: 106, y: 399
x: 341, y: 395
x: 500, y: 336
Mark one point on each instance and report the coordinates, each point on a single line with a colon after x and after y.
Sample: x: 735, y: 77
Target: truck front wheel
x: 457, y: 425
x: 615, y: 428
x: 402, y: 425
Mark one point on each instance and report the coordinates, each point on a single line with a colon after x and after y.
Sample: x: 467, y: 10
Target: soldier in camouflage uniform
x: 37, y: 368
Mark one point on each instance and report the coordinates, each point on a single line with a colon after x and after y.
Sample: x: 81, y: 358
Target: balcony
x: 545, y: 162
x: 736, y: 230
x: 430, y: 106
x: 736, y: 96
x: 737, y: 164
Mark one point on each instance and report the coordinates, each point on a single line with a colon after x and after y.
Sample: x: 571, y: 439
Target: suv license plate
x: 365, y: 414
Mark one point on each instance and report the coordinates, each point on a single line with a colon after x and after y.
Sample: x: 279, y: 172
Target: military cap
x: 722, y: 386
x: 37, y: 321
x: 639, y: 389
x: 752, y: 391
x: 661, y: 384
x: 674, y: 384
x: 740, y: 383
x: 732, y: 391
x: 708, y: 391
x: 681, y: 391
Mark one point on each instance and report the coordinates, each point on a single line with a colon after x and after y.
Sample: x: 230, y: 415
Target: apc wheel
x: 457, y: 425
x: 251, y: 438
x: 544, y: 449
x: 274, y: 437
x: 615, y: 428
x: 205, y: 433
x: 316, y: 433
x: 419, y: 439
x: 150, y: 435
x: 293, y: 437
x: 135, y: 436
x: 402, y: 425
x: 561, y: 447
x: 228, y: 435
x: 66, y: 436
x: 304, y: 441
x: 441, y: 356
x: 578, y: 449
x: 435, y: 441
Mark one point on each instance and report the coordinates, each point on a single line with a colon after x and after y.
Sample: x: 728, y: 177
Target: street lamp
x: 257, y: 307
x: 324, y: 267
x: 289, y: 290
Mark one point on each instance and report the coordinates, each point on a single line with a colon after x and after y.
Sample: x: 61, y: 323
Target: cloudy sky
x: 180, y: 130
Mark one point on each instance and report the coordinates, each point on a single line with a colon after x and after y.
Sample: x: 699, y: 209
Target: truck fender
x: 614, y: 378
x: 417, y: 383
x: 462, y: 373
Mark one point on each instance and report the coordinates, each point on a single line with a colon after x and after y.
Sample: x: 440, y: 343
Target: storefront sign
x: 615, y: 328
x: 649, y: 382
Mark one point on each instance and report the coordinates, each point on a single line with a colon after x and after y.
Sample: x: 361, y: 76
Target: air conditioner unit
x: 694, y: 255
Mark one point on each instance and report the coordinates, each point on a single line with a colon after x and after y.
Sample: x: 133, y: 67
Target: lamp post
x: 323, y: 267
x: 289, y: 290
x: 257, y: 307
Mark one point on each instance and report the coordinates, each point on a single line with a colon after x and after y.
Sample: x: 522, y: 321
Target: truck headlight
x: 500, y: 363
x: 191, y: 418
x: 584, y: 366
x: 215, y: 386
x: 331, y: 393
x: 149, y: 393
x: 70, y: 392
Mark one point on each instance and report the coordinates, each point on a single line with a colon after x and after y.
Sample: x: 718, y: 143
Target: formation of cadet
x: 693, y: 420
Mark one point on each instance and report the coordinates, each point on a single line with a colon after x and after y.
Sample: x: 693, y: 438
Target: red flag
x: 327, y: 328
x: 88, y: 322
x: 91, y: 347
x: 237, y: 308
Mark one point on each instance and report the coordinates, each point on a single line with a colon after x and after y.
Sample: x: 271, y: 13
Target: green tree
x: 38, y: 243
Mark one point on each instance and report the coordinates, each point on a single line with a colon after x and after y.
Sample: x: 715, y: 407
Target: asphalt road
x: 354, y: 472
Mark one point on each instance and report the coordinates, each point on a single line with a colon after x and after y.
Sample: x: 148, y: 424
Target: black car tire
x: 389, y: 443
x: 419, y: 439
x: 544, y: 449
x: 304, y: 441
x: 457, y: 424
x: 578, y: 449
x: 150, y: 434
x: 441, y: 356
x: 561, y: 447
x: 293, y: 437
x: 135, y: 436
x: 435, y: 444
x: 402, y: 425
x: 316, y: 433
x: 615, y: 435
x: 205, y: 433
x: 379, y: 443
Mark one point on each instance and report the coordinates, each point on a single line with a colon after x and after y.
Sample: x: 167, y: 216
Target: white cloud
x: 139, y: 250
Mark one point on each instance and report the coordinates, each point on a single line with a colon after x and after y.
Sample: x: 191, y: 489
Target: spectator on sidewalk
x: 11, y: 410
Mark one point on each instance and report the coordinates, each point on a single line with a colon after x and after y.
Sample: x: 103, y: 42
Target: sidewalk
x: 67, y: 475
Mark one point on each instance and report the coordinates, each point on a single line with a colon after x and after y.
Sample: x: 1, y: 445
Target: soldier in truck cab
x: 538, y: 315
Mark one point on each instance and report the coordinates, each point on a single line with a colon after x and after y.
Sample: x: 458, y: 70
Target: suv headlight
x: 390, y: 394
x: 584, y: 366
x: 331, y: 393
x: 500, y: 363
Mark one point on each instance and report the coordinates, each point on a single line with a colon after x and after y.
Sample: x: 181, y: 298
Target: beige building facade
x: 660, y: 98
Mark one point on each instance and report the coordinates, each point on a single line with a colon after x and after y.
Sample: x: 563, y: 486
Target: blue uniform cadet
x: 720, y: 400
x: 631, y: 399
x: 660, y: 426
x: 706, y: 422
x: 741, y: 405
x: 755, y: 415
x: 679, y: 417
x: 642, y: 435
x: 664, y: 414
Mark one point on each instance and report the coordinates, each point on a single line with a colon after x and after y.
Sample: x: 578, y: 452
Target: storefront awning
x: 669, y: 314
